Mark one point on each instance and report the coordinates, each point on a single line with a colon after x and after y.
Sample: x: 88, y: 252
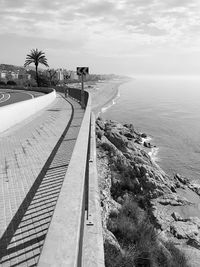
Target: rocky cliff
x: 134, y: 190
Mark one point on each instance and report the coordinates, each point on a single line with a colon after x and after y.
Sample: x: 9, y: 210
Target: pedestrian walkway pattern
x: 34, y: 160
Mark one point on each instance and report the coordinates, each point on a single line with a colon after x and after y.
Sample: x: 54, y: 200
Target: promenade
x: 33, y: 162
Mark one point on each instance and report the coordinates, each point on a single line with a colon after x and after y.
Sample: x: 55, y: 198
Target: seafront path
x: 34, y: 157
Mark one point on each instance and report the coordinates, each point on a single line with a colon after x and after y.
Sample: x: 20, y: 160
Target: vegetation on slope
x: 135, y: 237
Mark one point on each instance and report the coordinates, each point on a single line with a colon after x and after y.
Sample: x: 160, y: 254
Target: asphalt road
x: 11, y: 97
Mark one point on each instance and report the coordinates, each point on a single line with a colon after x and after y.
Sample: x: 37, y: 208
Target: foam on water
x: 111, y: 103
x: 154, y: 154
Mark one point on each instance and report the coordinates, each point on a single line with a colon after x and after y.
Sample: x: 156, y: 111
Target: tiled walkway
x: 33, y: 161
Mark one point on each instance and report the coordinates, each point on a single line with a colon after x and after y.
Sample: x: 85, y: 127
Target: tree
x: 36, y: 57
x: 52, y: 76
x: 11, y: 83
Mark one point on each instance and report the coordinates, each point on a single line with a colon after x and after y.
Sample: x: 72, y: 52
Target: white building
x: 3, y: 74
x: 60, y: 74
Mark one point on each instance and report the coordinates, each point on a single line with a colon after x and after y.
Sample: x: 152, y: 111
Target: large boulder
x: 184, y: 230
x: 147, y: 144
x: 143, y: 135
x: 177, y: 216
x: 194, y: 241
x: 100, y: 123
x: 181, y: 179
x: 117, y: 139
x: 195, y: 187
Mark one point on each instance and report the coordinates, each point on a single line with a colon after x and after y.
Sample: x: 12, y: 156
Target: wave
x: 146, y: 139
x: 154, y: 154
x: 111, y: 103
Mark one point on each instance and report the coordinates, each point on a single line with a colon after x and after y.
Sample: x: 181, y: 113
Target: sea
x: 167, y: 109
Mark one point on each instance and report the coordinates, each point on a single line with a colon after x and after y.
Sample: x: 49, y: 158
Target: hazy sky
x: 116, y: 36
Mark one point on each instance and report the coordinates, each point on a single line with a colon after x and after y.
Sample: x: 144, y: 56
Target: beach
x: 103, y: 94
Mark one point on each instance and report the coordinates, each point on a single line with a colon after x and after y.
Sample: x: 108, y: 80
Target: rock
x: 138, y: 140
x: 116, y: 139
x: 139, y: 160
x: 126, y: 161
x: 173, y: 189
x: 181, y: 179
x: 184, y: 230
x: 177, y: 216
x: 143, y: 135
x: 194, y: 220
x: 195, y: 187
x: 143, y: 170
x: 147, y: 145
x: 99, y: 132
x: 129, y: 135
x: 194, y: 242
x: 100, y: 123
x: 169, y: 202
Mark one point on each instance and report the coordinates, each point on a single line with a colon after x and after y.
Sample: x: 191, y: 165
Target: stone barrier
x: 15, y: 113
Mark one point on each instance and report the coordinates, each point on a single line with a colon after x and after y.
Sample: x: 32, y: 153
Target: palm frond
x: 36, y: 57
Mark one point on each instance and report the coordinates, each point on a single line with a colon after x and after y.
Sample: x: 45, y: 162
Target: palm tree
x: 36, y: 57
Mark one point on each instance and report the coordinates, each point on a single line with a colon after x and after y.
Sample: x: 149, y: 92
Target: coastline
x: 175, y: 202
x: 120, y: 150
x: 103, y: 94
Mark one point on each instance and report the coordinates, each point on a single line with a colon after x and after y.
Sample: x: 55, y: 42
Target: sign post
x: 82, y: 71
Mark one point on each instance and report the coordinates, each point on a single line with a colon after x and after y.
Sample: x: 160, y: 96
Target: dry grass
x: 139, y: 241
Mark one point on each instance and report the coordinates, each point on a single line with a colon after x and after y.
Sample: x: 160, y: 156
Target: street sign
x: 82, y: 71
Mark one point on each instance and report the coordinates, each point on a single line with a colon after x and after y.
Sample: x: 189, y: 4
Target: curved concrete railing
x: 64, y: 242
x: 15, y: 113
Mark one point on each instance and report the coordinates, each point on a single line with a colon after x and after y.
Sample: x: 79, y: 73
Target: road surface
x: 11, y: 96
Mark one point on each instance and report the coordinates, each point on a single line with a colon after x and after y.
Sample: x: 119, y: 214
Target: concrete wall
x: 15, y: 113
x: 93, y: 249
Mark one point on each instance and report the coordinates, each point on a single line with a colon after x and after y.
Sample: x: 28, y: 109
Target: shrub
x: 178, y: 258
x: 2, y: 83
x: 11, y: 83
x: 138, y: 239
x: 107, y: 147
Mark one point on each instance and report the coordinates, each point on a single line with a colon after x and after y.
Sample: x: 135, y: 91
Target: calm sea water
x: 168, y: 110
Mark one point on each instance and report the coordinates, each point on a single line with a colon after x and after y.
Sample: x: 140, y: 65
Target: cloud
x: 103, y: 27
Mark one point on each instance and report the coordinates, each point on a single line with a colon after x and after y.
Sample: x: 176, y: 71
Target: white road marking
x: 2, y: 96
x: 5, y: 98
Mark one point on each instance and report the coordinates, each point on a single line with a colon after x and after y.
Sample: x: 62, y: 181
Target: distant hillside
x: 10, y: 67
x: 14, y: 68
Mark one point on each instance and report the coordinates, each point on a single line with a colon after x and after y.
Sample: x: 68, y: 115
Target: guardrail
x: 66, y: 242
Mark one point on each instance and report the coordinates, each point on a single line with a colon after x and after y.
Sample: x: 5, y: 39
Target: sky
x: 117, y: 36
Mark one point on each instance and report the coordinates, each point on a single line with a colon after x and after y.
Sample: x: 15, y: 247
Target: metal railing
x: 66, y: 241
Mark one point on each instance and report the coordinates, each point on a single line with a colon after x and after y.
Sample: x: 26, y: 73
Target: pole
x: 82, y: 92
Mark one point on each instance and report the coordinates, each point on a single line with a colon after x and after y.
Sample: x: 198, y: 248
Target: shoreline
x: 182, y: 201
x: 103, y: 93
x: 171, y: 198
x: 110, y: 90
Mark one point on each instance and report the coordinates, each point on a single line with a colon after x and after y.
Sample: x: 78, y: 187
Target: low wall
x: 93, y: 248
x: 15, y: 113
